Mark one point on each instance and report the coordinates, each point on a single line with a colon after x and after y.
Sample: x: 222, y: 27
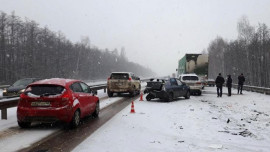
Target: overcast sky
x: 154, y: 33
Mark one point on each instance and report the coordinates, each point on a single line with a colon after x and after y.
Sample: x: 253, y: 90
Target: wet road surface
x: 68, y: 139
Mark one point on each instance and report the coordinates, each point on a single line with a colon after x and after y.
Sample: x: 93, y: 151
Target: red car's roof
x: 55, y: 81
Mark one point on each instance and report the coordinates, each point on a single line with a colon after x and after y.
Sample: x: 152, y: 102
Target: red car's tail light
x: 129, y: 79
x: 65, y: 99
x: 23, y: 100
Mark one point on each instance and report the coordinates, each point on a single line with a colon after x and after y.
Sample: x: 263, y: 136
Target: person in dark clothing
x: 219, y: 83
x: 229, y: 85
x: 241, y: 80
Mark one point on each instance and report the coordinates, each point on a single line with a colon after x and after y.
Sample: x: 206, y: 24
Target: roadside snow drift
x: 239, y: 123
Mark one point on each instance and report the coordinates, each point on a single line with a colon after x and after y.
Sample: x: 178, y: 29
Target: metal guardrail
x: 4, y: 86
x: 6, y: 103
x: 99, y: 87
x: 254, y: 89
x: 104, y: 86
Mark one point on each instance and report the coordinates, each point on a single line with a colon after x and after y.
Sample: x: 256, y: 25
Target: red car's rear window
x: 46, y: 90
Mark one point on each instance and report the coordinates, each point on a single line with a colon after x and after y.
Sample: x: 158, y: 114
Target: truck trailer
x: 193, y: 63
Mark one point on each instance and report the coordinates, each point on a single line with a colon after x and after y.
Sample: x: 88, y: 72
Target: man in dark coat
x: 229, y: 85
x: 241, y: 80
x: 219, y: 83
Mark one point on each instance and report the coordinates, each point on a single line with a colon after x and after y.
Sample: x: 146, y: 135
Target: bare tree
x: 249, y: 54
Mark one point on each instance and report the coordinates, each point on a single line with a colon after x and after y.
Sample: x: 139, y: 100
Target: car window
x: 76, y: 87
x: 173, y: 82
x: 23, y: 82
x: 46, y: 89
x: 190, y: 78
x: 179, y: 82
x: 85, y: 87
x: 123, y: 76
x: 136, y: 78
x: 167, y: 83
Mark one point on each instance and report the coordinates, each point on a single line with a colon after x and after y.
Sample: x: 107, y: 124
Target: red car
x: 56, y: 99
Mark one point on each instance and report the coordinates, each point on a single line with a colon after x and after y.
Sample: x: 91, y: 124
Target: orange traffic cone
x: 132, y: 108
x: 141, y: 98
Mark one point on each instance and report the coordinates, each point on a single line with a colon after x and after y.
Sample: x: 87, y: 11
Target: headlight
x: 21, y: 91
x: 5, y: 91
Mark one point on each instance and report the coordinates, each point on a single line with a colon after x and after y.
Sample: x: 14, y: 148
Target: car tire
x: 139, y: 91
x: 132, y: 93
x: 148, y: 97
x: 96, y: 112
x: 110, y: 94
x: 199, y: 93
x: 24, y: 124
x: 170, y: 97
x: 187, y: 96
x: 75, y: 119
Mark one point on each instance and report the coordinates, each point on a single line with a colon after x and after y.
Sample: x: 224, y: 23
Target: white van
x: 193, y: 81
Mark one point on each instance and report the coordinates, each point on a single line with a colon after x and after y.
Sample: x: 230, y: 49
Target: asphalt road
x: 68, y: 139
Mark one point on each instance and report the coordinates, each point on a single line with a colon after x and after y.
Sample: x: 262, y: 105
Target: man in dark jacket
x: 219, y: 83
x: 229, y: 85
x: 241, y: 80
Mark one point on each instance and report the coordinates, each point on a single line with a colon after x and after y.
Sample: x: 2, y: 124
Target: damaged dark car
x: 166, y: 90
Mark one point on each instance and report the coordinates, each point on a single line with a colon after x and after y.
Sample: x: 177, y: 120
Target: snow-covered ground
x: 239, y: 123
x: 13, y: 139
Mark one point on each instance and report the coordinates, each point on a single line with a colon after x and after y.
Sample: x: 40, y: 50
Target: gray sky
x: 154, y: 33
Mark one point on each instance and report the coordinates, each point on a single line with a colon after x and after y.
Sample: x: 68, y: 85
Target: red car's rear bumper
x: 41, y: 114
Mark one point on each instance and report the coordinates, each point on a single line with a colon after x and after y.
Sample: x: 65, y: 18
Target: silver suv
x: 123, y: 82
x: 193, y: 81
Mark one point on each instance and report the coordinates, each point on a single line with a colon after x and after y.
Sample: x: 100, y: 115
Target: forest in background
x: 248, y: 54
x: 27, y: 50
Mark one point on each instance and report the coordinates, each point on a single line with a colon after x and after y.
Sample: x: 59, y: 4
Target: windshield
x: 122, y: 76
x: 46, y: 90
x: 190, y: 78
x: 23, y: 82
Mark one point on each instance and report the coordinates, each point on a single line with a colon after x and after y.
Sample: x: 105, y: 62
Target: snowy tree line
x: 27, y: 50
x: 248, y: 54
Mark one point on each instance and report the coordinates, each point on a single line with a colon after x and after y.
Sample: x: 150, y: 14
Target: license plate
x: 41, y: 104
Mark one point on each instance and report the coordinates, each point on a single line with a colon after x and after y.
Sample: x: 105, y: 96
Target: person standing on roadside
x: 229, y: 85
x: 219, y: 83
x: 241, y: 80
